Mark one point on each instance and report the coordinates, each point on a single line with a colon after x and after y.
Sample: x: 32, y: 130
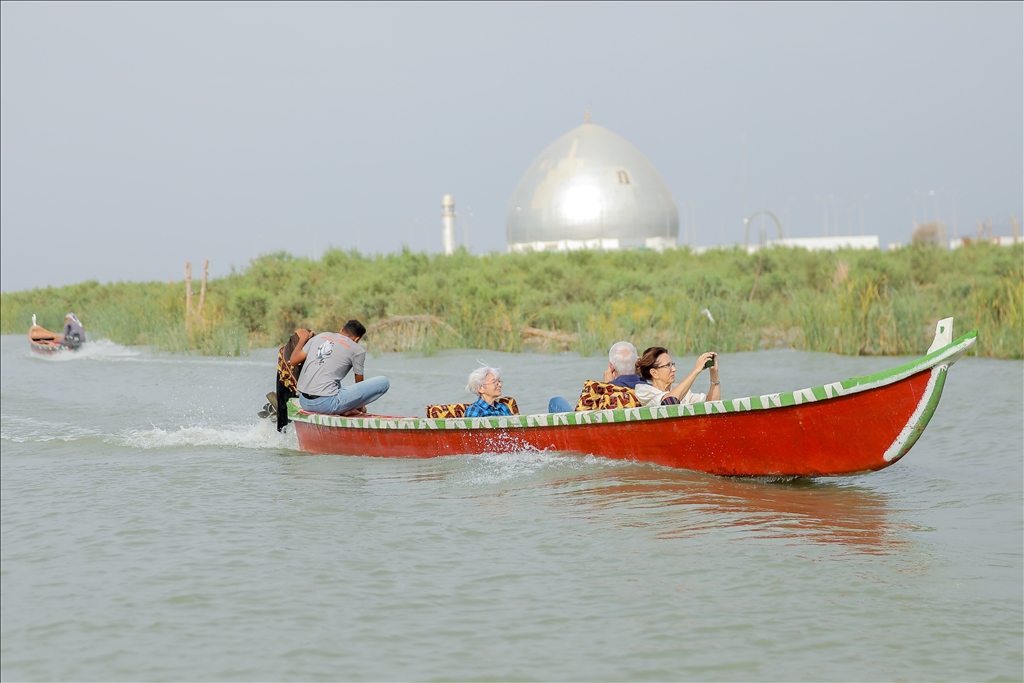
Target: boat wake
x: 262, y: 435
x: 501, y: 468
x: 101, y: 349
x: 20, y: 429
x: 259, y: 436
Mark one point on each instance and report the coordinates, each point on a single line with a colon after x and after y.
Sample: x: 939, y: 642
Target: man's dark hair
x: 354, y: 328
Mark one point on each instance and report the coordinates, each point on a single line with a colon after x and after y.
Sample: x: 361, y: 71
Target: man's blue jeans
x: 347, y: 398
x: 559, y: 405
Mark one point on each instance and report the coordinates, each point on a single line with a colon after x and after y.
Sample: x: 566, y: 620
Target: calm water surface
x: 154, y: 528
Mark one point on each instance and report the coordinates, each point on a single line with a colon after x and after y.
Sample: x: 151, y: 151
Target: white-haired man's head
x: 622, y: 356
x: 478, y: 377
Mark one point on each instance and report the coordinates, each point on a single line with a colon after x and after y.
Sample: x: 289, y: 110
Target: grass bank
x: 849, y: 302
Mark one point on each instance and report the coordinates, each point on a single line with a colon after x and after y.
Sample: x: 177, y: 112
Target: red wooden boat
x: 857, y: 425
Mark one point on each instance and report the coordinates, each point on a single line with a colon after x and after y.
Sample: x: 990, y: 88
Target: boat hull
x: 47, y: 348
x: 44, y: 342
x: 860, y: 425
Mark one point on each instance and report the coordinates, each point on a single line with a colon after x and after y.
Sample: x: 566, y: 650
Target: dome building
x: 590, y: 189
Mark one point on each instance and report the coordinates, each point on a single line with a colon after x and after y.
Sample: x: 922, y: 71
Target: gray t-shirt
x: 329, y: 357
x: 73, y: 326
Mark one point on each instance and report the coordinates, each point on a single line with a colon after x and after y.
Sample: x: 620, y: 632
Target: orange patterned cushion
x: 602, y: 396
x: 444, y: 410
x: 513, y: 407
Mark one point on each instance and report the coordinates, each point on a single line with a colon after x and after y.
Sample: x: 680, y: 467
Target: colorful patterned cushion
x: 603, y: 396
x: 441, y: 411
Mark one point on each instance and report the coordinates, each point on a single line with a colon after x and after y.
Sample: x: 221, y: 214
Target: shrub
x: 249, y: 306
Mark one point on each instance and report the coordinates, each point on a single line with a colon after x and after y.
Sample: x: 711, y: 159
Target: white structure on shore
x: 1001, y: 240
x: 934, y: 234
x: 824, y: 243
x: 591, y: 189
x: 808, y: 243
x: 448, y: 224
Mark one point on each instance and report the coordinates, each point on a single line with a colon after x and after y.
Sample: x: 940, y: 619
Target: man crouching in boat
x: 74, y: 333
x: 328, y: 358
x: 485, y: 384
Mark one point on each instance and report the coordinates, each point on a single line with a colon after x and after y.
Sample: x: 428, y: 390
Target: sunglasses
x: 664, y: 365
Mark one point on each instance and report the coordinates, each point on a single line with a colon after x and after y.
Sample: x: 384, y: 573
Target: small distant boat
x: 46, y: 343
x: 850, y: 427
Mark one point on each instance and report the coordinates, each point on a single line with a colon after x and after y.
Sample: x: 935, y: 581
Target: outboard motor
x: 74, y: 341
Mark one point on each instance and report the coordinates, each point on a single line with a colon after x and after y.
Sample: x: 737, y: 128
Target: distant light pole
x: 788, y: 225
x: 465, y: 227
x: 744, y: 140
x: 824, y: 206
x: 956, y: 231
x: 939, y: 225
x: 686, y: 223
x: 693, y: 224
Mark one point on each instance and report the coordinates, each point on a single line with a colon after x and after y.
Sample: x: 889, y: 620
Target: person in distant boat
x: 485, y: 384
x: 326, y: 359
x: 621, y: 371
x: 657, y: 373
x: 74, y: 333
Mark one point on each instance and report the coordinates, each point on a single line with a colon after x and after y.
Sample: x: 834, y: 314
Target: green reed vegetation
x: 849, y: 302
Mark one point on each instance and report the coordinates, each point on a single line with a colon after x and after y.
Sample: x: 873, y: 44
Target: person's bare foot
x: 355, y: 412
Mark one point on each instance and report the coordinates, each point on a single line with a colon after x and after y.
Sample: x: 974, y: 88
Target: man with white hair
x: 485, y: 384
x: 621, y: 371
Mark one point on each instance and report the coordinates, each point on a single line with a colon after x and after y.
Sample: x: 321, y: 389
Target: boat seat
x: 604, y: 396
x: 445, y: 410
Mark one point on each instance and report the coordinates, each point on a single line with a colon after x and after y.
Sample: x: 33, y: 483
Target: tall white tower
x: 448, y: 224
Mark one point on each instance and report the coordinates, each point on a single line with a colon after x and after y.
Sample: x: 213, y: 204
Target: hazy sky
x: 135, y: 137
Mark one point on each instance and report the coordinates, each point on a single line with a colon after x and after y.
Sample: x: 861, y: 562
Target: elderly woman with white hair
x: 485, y: 384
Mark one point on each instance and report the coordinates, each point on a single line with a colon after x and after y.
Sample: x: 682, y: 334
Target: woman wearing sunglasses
x: 658, y: 372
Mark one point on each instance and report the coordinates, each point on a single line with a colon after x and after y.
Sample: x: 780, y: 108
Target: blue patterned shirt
x: 480, y: 409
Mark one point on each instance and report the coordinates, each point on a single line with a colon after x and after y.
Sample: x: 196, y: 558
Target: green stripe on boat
x: 947, y: 355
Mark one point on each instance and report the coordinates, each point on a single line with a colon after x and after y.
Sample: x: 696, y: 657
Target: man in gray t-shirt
x: 328, y: 359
